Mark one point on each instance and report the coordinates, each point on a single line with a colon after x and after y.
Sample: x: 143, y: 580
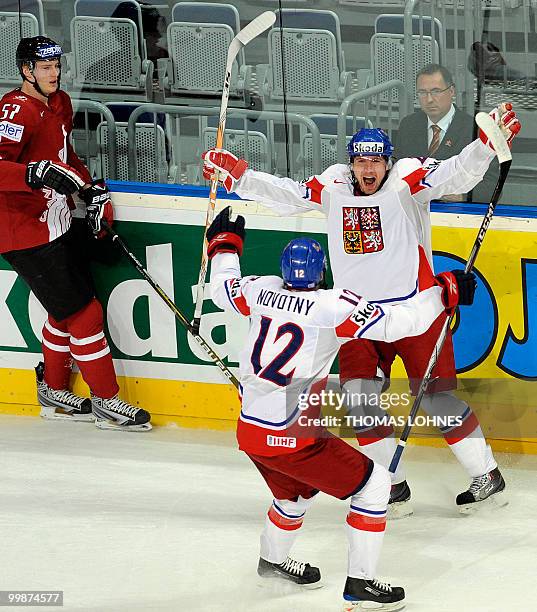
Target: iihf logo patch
x: 362, y: 230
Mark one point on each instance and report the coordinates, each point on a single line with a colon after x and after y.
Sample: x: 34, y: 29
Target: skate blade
x: 353, y: 606
x: 399, y: 510
x: 51, y: 413
x: 495, y: 501
x: 105, y: 424
x: 284, y: 586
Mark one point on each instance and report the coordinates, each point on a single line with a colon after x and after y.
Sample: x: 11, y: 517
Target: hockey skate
x: 302, y: 574
x: 399, y: 505
x: 487, y: 487
x: 114, y: 413
x: 362, y: 594
x: 60, y: 404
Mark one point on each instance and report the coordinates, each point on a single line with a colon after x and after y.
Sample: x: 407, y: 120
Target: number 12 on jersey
x: 273, y: 370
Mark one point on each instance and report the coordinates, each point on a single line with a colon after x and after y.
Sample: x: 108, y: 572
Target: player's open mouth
x: 369, y: 180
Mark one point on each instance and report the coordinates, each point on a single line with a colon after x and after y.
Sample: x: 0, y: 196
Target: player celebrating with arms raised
x: 296, y: 329
x: 379, y: 236
x: 39, y: 171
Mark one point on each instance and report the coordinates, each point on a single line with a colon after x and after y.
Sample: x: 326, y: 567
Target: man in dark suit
x: 439, y: 129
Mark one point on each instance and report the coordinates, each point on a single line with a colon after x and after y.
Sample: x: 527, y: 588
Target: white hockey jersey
x: 380, y: 244
x: 293, y: 339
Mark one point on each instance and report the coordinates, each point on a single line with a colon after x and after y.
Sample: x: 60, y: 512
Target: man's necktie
x: 435, y: 142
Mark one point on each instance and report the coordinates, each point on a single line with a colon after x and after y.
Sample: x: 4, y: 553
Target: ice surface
x: 170, y: 520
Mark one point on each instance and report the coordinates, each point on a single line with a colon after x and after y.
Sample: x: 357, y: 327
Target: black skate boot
x: 299, y: 573
x: 482, y: 487
x: 399, y: 505
x: 114, y: 413
x: 362, y: 594
x: 60, y: 404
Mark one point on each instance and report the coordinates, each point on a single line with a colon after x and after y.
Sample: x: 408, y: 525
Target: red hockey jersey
x: 32, y: 131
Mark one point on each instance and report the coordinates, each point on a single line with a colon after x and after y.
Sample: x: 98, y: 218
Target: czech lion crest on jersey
x: 362, y: 230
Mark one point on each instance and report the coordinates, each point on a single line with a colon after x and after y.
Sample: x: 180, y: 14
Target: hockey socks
x: 90, y: 350
x: 466, y: 438
x: 56, y: 354
x: 80, y: 336
x: 376, y: 441
x: 366, y: 523
x: 283, y: 520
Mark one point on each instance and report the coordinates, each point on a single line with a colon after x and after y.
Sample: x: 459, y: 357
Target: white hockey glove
x: 56, y: 175
x: 221, y: 164
x: 505, y: 117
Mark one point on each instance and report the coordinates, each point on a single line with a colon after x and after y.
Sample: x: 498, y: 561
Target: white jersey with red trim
x: 293, y: 339
x: 380, y: 244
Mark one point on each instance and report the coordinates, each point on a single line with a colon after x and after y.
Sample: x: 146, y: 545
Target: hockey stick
x: 254, y: 28
x: 488, y: 125
x: 178, y: 314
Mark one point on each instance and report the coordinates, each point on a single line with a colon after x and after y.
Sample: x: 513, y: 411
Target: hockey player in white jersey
x: 296, y: 329
x: 379, y: 236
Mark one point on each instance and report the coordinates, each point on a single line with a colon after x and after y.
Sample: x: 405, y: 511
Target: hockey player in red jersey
x: 379, y: 235
x: 296, y: 329
x: 39, y: 172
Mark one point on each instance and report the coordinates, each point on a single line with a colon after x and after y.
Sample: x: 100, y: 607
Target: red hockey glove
x: 98, y: 206
x: 56, y: 175
x: 225, y: 235
x: 221, y: 164
x: 505, y: 117
x: 458, y: 289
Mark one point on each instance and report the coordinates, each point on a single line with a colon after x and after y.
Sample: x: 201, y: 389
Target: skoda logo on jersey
x: 376, y: 148
x: 47, y: 52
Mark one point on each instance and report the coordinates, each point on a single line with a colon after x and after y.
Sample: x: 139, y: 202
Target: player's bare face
x: 434, y: 95
x: 369, y: 173
x: 47, y: 74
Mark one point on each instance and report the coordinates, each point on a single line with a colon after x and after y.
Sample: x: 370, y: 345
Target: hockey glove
x: 505, y: 117
x: 98, y: 206
x: 458, y: 289
x: 55, y: 175
x: 225, y: 235
x: 223, y: 165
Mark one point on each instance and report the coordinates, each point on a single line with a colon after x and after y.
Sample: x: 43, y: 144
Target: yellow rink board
x: 201, y: 406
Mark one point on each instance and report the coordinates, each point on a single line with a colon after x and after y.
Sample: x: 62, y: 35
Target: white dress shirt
x: 443, y: 124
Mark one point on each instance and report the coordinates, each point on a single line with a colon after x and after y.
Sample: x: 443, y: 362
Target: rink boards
x: 164, y: 370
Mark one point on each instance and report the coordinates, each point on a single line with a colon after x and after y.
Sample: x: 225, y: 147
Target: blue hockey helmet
x: 370, y: 141
x: 303, y: 263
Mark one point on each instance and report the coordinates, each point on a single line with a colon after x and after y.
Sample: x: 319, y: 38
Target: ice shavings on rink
x: 171, y: 520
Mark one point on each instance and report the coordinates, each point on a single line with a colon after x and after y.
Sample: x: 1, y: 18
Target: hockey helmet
x: 303, y: 263
x: 35, y: 49
x: 370, y: 142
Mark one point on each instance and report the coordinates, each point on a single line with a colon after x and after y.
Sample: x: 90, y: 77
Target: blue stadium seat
x: 207, y: 12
